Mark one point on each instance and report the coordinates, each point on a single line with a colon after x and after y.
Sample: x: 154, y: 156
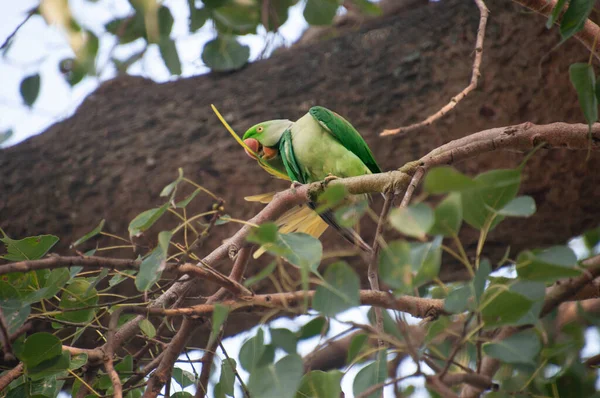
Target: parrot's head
x: 264, y: 137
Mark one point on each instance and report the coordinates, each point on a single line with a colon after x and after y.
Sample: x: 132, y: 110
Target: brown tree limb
x: 11, y: 375
x: 94, y: 262
x: 163, y: 373
x: 416, y: 306
x: 483, y: 17
x: 586, y: 36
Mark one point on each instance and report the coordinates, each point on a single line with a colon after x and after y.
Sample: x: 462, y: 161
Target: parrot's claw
x: 295, y: 184
x: 329, y: 178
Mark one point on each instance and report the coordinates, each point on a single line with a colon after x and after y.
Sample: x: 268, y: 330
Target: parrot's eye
x: 259, y: 129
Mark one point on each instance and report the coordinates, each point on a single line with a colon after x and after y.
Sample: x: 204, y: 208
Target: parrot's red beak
x: 254, y: 145
x: 264, y: 152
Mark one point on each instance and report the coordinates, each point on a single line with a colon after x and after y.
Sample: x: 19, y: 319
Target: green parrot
x: 319, y: 145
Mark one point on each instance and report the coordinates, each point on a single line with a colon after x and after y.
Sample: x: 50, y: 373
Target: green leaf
x: 414, y: 220
x: 15, y: 311
x: 395, y: 266
x: 285, y: 339
x: 549, y: 265
x: 172, y: 186
x: 168, y: 52
x: 339, y: 291
x: 591, y: 238
x: 458, y: 300
x: 146, y: 219
x: 214, y: 3
x: 390, y: 326
x: 75, y: 295
x: 50, y: 367
x: 128, y: 29
x: 227, y: 379
x: 331, y: 197
x: 534, y: 292
x: 89, y: 235
x: 555, y: 13
x: 319, y: 384
x: 373, y: 373
x: 279, y: 380
x: 495, y: 190
x: 264, y: 233
x: 316, y: 327
x: 225, y: 53
x: 501, y: 306
x: 277, y: 14
x: 236, y: 18
x: 120, y: 277
x: 30, y: 88
x: 367, y: 8
x: 219, y: 317
x: 5, y: 135
x: 447, y: 179
x: 522, y: 206
x: 46, y: 387
x: 198, y: 17
x: 40, y: 347
x: 265, y: 272
x: 77, y: 361
x: 320, y: 12
x: 299, y: 249
x: 427, y: 259
x: 147, y: 328
x: 186, y: 201
x: 32, y: 248
x: 481, y: 275
x: 448, y: 216
x: 151, y: 266
x: 183, y: 377
x: 224, y: 219
x: 349, y: 215
x: 520, y: 348
x: 252, y: 351
x: 357, y: 343
x: 574, y: 18
x: 165, y: 21
x: 583, y: 79
x: 180, y: 394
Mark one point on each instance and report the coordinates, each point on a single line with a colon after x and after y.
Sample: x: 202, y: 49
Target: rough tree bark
x: 111, y: 159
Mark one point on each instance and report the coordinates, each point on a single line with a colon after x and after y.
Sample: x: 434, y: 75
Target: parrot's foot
x: 329, y: 178
x: 295, y: 184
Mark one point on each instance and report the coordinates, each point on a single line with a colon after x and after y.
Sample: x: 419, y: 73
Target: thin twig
x: 30, y: 13
x: 483, y: 17
x: 414, y: 182
x: 373, y: 272
x: 108, y: 358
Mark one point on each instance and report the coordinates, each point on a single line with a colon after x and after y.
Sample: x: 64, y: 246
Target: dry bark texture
x: 111, y: 159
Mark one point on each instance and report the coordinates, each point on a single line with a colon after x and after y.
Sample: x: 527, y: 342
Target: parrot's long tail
x: 305, y: 219
x: 347, y: 233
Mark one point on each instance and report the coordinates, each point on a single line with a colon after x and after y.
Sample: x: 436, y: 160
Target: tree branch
x: 586, y: 36
x: 483, y: 17
x: 416, y: 306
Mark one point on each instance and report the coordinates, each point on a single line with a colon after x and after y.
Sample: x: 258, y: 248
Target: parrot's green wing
x: 343, y: 131
x: 286, y: 152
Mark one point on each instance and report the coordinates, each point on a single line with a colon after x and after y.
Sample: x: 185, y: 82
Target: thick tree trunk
x: 112, y: 158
